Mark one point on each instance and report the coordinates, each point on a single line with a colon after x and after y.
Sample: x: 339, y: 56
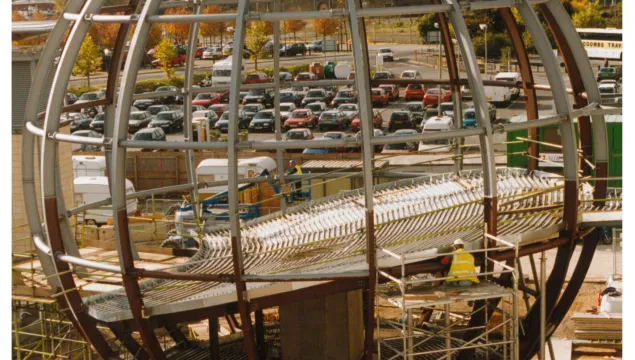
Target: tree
x: 88, y: 60
x: 178, y: 31
x: 255, y: 39
x: 426, y: 24
x: 325, y: 26
x: 165, y: 53
x: 213, y: 29
x: 293, y: 26
x: 591, y: 16
x: 17, y: 16
x: 104, y: 34
x: 154, y: 37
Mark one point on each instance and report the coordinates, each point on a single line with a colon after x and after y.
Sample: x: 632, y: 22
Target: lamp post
x: 436, y: 25
x: 484, y: 28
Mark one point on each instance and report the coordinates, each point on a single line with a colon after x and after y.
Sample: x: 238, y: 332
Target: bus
x: 602, y: 43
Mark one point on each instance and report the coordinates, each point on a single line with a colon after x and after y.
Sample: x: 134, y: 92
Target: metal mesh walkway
x: 325, y: 236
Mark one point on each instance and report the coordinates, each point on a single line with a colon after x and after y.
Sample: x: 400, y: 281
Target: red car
x: 391, y: 90
x: 178, y: 60
x: 415, y: 92
x: 219, y: 109
x: 207, y: 99
x: 199, y: 53
x: 377, y: 121
x: 301, y: 118
x: 257, y: 78
x: 379, y: 97
x: 298, y: 134
x: 432, y: 97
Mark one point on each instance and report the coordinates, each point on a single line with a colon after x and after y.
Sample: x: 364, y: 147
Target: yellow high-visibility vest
x: 298, y: 170
x: 462, y: 267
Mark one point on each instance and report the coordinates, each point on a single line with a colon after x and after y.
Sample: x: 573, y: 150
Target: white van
x: 216, y: 170
x: 222, y: 72
x: 511, y: 77
x: 498, y: 95
x: 437, y: 123
x: 89, y: 189
x: 89, y: 166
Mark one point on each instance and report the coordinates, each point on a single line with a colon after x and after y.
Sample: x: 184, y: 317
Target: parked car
x: 223, y: 122
x: 219, y: 109
x: 349, y: 110
x: 609, y: 73
x: 269, y: 47
x: 301, y: 118
x: 379, y: 97
x: 257, y: 78
x: 469, y: 115
x: 206, y: 99
x: 333, y: 119
x: 415, y: 92
x: 143, y: 104
x: 91, y: 96
x: 466, y: 92
x: 431, y: 97
x: 351, y: 76
x: 213, y: 53
x: 262, y: 96
x: 197, y: 108
x: 285, y: 110
x: 86, y: 147
x: 417, y: 111
x: 305, y: 76
x: 293, y: 49
x: 344, y: 96
x: 97, y: 124
x: 199, y: 53
x: 168, y: 120
x: 251, y: 110
x: 383, y: 75
x: 285, y: 77
x: 377, y: 121
x: 317, y: 107
x: 138, y: 120
x: 401, y: 120
x: 206, y: 114
x: 447, y: 109
x: 315, y: 45
x: 435, y: 124
x: 168, y: 99
x: 71, y: 98
x: 608, y: 87
x: 290, y: 97
x: 411, y: 74
x: 376, y: 133
x: 391, y: 90
x: 298, y: 134
x: 264, y: 120
x: 387, y: 54
x: 149, y: 134
x: 177, y: 60
x: 315, y: 95
x: 241, y: 96
x: 78, y: 121
x: 399, y: 148
x: 335, y: 135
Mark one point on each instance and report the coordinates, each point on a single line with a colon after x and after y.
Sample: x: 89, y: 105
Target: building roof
x: 340, y: 164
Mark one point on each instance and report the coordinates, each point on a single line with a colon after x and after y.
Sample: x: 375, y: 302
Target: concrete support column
x: 323, y: 328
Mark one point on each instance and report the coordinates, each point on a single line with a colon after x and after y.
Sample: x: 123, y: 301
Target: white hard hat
x: 458, y: 242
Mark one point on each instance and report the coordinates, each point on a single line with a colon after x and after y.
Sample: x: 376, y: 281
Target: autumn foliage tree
x: 178, y: 31
x: 104, y: 34
x: 213, y: 29
x: 155, y: 36
x: 293, y: 26
x: 88, y: 59
x: 165, y: 53
x: 325, y: 27
x: 255, y: 39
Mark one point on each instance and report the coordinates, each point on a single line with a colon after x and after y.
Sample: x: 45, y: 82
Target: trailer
x: 216, y: 170
x: 89, y: 189
x: 88, y: 165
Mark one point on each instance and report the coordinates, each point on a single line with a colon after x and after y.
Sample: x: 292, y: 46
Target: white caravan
x: 222, y: 72
x: 89, y: 166
x: 216, y: 170
x: 89, y: 189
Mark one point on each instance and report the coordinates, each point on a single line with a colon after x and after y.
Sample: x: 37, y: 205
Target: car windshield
x: 164, y: 116
x: 225, y: 116
x: 471, y: 115
x: 603, y: 70
x: 143, y: 136
x: 155, y: 109
x: 257, y: 92
x: 300, y: 114
x: 607, y: 89
x: 99, y: 116
x: 295, y: 135
x: 376, y: 92
x: 407, y: 75
x: 345, y: 94
x: 437, y: 142
x: 398, y: 146
x: 433, y: 92
x: 285, y: 107
x: 347, y: 108
x: 164, y: 88
x: 253, y: 76
x: 263, y: 115
x: 415, y: 107
x: 286, y: 95
x: 222, y: 73
x: 386, y: 88
x: 200, y: 113
x: 332, y: 136
x: 251, y: 108
x: 203, y: 96
x: 303, y: 76
x: 381, y: 75
x: 91, y: 96
x: 136, y: 116
x: 414, y: 87
x: 314, y: 107
x: 217, y: 107
x: 329, y: 115
x: 399, y: 116
x: 446, y: 107
x: 383, y: 51
x: 315, y: 93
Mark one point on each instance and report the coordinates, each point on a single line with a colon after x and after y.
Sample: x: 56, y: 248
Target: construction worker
x: 462, y: 271
x: 296, y: 170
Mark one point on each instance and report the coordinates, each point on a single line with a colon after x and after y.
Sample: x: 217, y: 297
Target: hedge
x: 293, y: 69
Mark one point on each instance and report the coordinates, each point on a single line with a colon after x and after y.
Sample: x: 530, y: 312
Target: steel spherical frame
x: 55, y: 237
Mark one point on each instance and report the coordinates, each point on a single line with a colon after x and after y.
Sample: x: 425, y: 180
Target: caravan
x: 216, y: 170
x: 437, y: 123
x: 89, y: 166
x: 89, y: 189
x: 222, y: 72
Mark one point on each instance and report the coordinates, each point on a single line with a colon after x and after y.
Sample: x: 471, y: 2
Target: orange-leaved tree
x: 293, y: 26
x: 178, y: 31
x: 213, y: 29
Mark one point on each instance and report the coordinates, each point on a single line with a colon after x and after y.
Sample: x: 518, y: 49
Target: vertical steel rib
x: 118, y: 176
x: 233, y: 196
x: 276, y: 104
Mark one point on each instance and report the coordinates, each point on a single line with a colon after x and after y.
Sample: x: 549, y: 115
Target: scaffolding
x: 496, y: 338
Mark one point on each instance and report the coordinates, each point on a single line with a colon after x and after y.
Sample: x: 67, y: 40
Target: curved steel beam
x: 531, y: 100
x: 56, y: 223
x: 118, y: 176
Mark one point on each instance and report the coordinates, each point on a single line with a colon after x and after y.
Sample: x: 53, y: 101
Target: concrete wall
x: 20, y: 235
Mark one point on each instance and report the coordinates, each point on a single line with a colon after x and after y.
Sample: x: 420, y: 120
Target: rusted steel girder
x: 371, y: 258
x: 243, y: 304
x: 69, y: 297
x: 125, y: 337
x: 531, y: 101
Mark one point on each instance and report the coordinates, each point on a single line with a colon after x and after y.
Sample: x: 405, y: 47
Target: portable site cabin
x: 88, y: 189
x: 216, y: 170
x: 89, y: 166
x: 437, y: 123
